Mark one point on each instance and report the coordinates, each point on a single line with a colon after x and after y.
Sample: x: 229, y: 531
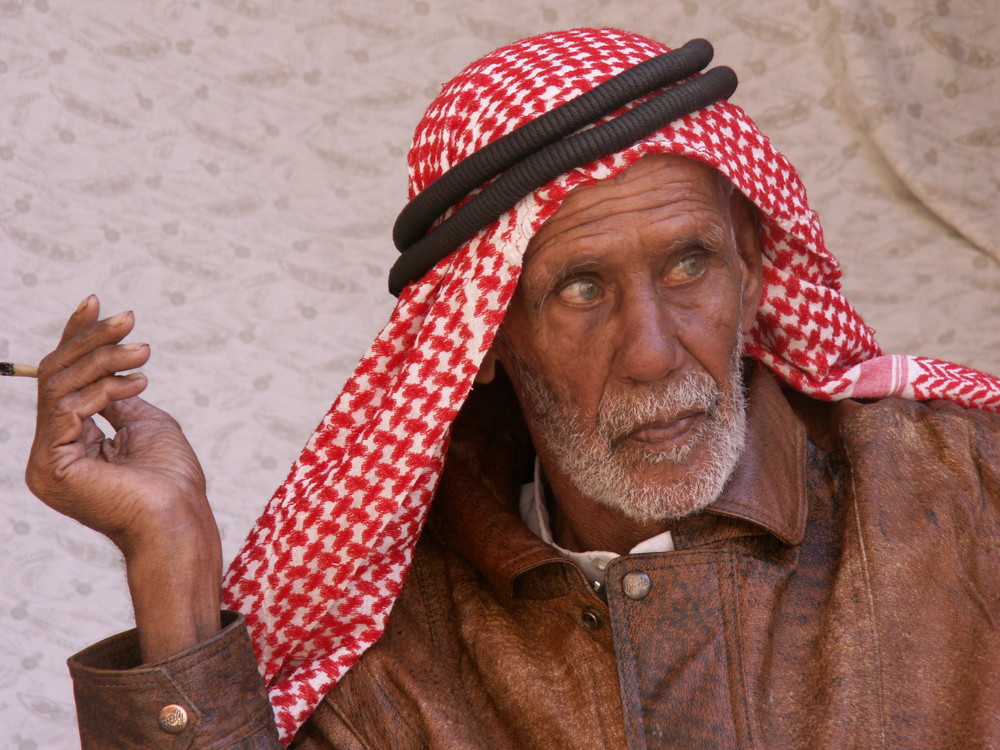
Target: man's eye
x: 580, y: 292
x: 691, y: 267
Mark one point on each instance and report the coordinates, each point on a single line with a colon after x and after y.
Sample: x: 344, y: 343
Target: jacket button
x: 173, y: 719
x: 592, y: 619
x: 636, y: 585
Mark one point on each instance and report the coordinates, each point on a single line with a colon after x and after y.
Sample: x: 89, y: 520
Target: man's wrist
x: 175, y: 580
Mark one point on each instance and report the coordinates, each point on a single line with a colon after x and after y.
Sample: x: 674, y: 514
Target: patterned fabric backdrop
x: 230, y: 169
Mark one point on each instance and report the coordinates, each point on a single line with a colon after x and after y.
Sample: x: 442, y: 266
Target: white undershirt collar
x: 535, y: 515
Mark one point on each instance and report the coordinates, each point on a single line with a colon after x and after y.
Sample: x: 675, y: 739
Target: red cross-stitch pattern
x: 319, y: 572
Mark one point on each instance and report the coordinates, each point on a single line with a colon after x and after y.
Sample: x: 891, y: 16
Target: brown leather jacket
x: 844, y: 592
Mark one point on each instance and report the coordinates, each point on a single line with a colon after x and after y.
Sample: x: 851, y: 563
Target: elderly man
x: 638, y: 537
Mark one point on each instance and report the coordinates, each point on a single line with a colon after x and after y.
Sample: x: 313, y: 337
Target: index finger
x: 85, y: 315
x: 82, y: 336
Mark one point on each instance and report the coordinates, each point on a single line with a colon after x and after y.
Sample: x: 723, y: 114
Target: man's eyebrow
x: 572, y: 268
x: 715, y: 235
x: 711, y: 235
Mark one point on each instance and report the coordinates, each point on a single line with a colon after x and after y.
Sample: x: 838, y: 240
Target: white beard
x: 595, y: 459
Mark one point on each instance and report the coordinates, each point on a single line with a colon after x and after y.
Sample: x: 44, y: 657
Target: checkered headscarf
x: 327, y: 559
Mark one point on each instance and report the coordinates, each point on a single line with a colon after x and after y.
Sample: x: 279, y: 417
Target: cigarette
x: 18, y: 371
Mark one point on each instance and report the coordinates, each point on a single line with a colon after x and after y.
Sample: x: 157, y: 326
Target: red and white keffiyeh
x: 327, y: 559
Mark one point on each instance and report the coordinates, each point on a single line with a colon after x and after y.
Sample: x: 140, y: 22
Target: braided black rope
x: 547, y: 163
x: 485, y: 164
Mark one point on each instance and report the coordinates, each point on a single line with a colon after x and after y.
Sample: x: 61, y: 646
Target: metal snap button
x: 173, y: 719
x: 592, y: 619
x: 636, y: 585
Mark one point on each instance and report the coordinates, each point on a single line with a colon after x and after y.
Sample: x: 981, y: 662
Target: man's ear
x: 746, y: 227
x: 488, y: 369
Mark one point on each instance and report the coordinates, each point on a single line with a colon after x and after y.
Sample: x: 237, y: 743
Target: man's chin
x: 653, y: 487
x: 664, y: 469
x: 667, y: 491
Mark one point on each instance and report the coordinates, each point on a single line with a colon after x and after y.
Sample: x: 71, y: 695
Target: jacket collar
x: 476, y: 512
x: 768, y: 485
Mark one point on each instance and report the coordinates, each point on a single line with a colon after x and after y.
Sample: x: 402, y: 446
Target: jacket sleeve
x: 209, y: 696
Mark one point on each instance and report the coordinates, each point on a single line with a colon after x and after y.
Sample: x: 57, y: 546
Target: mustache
x: 622, y: 412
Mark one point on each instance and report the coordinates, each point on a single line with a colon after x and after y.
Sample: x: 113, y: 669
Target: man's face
x: 623, y: 340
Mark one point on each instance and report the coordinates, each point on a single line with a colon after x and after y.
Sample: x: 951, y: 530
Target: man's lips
x: 666, y: 432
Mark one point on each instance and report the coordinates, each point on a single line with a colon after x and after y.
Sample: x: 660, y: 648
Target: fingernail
x: 135, y: 376
x: 134, y: 347
x: 83, y: 305
x: 117, y: 320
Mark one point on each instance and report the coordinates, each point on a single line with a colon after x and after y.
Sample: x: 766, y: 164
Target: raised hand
x: 143, y: 488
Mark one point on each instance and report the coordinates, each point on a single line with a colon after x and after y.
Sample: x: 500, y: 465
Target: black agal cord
x: 546, y: 147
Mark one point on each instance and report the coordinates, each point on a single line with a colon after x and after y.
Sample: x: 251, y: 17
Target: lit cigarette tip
x: 18, y: 371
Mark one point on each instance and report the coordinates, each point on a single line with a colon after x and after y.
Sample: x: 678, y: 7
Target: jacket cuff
x: 209, y: 696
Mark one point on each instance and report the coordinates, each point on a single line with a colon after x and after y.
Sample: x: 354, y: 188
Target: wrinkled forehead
x: 654, y: 187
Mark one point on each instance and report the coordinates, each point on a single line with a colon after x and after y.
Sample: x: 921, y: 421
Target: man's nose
x: 648, y: 347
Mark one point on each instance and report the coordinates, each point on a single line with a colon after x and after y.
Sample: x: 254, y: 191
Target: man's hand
x: 144, y: 488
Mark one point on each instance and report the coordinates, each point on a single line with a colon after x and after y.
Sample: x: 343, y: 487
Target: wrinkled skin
x: 634, y: 281
x: 144, y: 488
